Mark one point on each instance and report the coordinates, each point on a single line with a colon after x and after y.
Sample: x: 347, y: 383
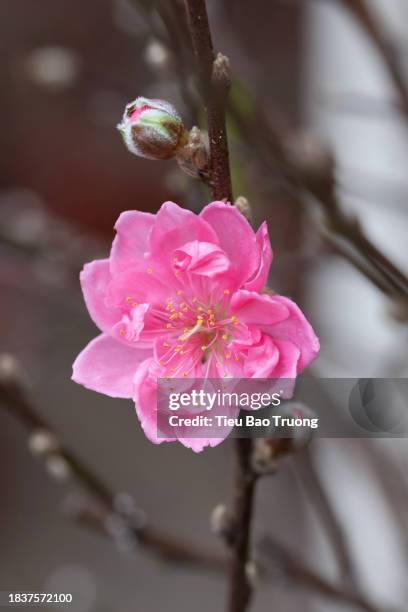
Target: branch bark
x: 245, y: 480
x: 213, y: 84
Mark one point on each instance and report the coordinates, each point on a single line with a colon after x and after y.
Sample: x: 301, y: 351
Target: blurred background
x: 302, y: 69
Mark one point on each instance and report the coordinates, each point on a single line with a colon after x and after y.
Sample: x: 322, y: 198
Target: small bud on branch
x: 221, y: 522
x: 193, y: 158
x: 244, y: 207
x: 152, y: 129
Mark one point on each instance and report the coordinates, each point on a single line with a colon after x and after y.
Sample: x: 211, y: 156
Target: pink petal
x: 107, y: 366
x: 145, y: 396
x: 288, y: 364
x: 140, y: 284
x: 95, y: 278
x: 132, y: 239
x: 201, y: 258
x: 173, y: 228
x: 145, y: 384
x: 197, y: 445
x: 265, y: 252
x: 255, y: 309
x: 235, y: 237
x: 261, y: 359
x: 297, y: 330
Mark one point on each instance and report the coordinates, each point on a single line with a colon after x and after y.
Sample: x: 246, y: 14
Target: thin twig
x: 310, y: 481
x: 14, y: 399
x: 343, y: 249
x: 269, y: 149
x: 214, y: 85
x: 372, y: 26
x: 350, y: 228
x: 100, y: 506
x: 281, y: 561
x: 268, y: 139
x: 239, y: 586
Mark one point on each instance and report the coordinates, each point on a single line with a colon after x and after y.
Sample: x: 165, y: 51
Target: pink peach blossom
x: 181, y: 296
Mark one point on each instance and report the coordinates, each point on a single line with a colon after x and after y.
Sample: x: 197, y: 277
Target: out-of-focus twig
x: 311, y: 170
x: 99, y: 506
x: 55, y: 246
x: 14, y: 398
x: 281, y: 561
x: 341, y: 231
x: 310, y: 481
x: 368, y: 21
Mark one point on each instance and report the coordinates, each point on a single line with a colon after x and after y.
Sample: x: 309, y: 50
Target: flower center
x: 207, y: 329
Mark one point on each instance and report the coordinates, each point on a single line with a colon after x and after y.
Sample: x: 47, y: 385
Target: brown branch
x: 214, y: 83
x: 310, y: 481
x: 281, y: 561
x: 355, y: 260
x: 14, y: 398
x: 244, y: 489
x: 372, y: 26
x: 349, y: 228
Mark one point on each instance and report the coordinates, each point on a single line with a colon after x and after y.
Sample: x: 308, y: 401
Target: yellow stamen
x: 193, y: 330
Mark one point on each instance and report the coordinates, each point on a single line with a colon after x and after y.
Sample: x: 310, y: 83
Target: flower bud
x: 43, y: 442
x: 244, y: 207
x: 220, y: 520
x: 152, y: 129
x: 193, y: 158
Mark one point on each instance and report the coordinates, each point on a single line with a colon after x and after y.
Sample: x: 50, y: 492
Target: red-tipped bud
x: 152, y: 129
